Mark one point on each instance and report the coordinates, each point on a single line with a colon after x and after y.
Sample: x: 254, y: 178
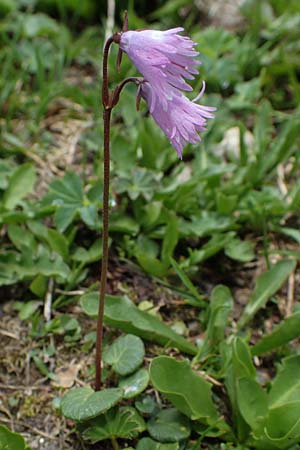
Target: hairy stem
x: 105, y: 93
x: 119, y: 88
x: 108, y: 101
x: 106, y: 118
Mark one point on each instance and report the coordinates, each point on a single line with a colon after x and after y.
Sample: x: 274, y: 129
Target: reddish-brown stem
x: 105, y: 209
x: 108, y: 101
x: 118, y: 90
x: 105, y: 93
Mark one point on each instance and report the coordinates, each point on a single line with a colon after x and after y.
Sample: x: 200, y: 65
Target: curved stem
x: 105, y: 94
x: 118, y: 90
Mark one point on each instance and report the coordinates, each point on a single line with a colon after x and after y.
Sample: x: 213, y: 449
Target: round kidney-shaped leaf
x: 149, y: 444
x: 10, y: 440
x: 169, y: 426
x: 146, y: 405
x: 124, y: 422
x: 125, y: 354
x: 135, y: 384
x: 84, y: 403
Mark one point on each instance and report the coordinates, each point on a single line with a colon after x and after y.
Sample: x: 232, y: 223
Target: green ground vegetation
x: 233, y: 202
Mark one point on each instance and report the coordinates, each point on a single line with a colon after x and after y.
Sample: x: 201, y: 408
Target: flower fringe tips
x: 166, y: 59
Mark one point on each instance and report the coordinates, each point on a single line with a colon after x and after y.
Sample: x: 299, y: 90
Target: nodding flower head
x: 183, y: 120
x: 166, y: 60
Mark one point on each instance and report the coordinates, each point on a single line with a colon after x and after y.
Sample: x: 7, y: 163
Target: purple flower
x: 183, y: 120
x: 166, y: 59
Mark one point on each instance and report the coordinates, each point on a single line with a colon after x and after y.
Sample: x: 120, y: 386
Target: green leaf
x: 240, y: 250
x: 27, y: 265
x: 58, y: 243
x: 267, y: 285
x: 151, y: 213
x: 84, y: 403
x: 6, y: 169
x: 169, y: 426
x: 124, y: 422
x: 187, y: 391
x: 140, y: 182
x: 170, y: 7
x: 252, y: 402
x: 64, y: 216
x: 121, y: 313
x: 21, y: 237
x: 221, y: 304
x: 283, y: 333
x: 283, y: 425
x: 121, y: 223
x: 286, y: 385
x: 146, y: 405
x: 10, y: 440
x: 20, y: 184
x: 43, y: 368
x: 237, y: 364
x: 149, y: 444
x: 146, y: 252
x: 283, y: 144
x: 94, y: 253
x: 263, y: 130
x: 290, y: 232
x: 89, y: 215
x: 67, y: 194
x: 152, y: 265
x: 125, y: 354
x: 38, y: 286
x: 170, y: 239
x: 226, y: 203
x: 38, y: 25
x: 242, y: 361
x: 134, y: 384
x: 68, y: 190
x: 27, y: 309
x: 185, y: 280
x: 213, y: 246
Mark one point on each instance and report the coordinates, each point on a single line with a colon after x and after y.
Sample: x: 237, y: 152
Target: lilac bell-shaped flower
x: 166, y: 59
x: 183, y: 119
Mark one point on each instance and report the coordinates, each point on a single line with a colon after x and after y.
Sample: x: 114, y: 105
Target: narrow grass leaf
x: 283, y: 333
x: 185, y: 280
x: 267, y: 285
